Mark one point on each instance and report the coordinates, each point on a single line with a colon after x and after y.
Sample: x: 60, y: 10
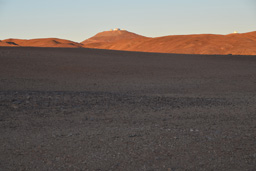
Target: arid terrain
x: 236, y: 44
x: 91, y: 109
x: 46, y: 42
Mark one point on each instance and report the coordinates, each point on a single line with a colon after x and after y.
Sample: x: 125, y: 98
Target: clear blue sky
x: 78, y: 20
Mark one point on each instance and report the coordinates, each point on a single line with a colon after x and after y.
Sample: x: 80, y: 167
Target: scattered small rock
x: 70, y: 134
x: 14, y: 106
x: 134, y: 135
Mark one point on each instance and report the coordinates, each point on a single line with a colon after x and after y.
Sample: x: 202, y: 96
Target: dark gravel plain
x: 88, y: 109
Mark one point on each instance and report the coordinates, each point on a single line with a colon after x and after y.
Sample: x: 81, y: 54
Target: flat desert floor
x: 88, y: 109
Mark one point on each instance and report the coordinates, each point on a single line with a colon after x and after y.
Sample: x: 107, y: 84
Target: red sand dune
x: 237, y: 44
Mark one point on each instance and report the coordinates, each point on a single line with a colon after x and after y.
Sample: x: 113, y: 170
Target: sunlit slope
x: 241, y: 44
x: 45, y: 42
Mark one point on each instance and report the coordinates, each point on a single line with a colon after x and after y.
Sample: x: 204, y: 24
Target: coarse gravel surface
x: 88, y: 109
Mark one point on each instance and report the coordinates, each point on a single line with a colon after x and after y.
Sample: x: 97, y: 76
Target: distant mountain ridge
x: 237, y: 44
x: 44, y: 42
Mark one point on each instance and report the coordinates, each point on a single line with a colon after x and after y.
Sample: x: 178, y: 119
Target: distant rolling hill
x: 46, y: 42
x: 107, y: 38
x: 237, y: 44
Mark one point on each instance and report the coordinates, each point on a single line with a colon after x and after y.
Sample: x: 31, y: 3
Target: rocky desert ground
x: 88, y: 109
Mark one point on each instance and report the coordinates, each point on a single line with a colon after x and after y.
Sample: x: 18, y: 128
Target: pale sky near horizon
x: 78, y: 20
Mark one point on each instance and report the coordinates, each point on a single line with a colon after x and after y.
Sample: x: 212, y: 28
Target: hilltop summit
x: 110, y: 37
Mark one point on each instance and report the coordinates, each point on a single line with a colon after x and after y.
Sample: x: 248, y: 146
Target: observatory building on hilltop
x: 116, y: 29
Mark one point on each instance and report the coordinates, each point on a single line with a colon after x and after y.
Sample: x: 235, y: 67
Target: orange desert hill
x: 107, y: 37
x: 235, y: 43
x: 239, y: 44
x: 44, y: 42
